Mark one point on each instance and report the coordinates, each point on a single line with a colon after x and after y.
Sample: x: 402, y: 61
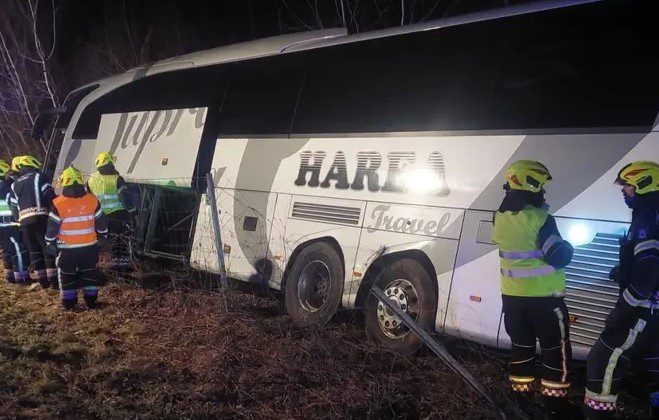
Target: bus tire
x: 406, y: 282
x: 313, y: 289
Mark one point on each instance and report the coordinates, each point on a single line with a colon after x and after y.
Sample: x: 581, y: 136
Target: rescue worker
x: 632, y: 328
x: 532, y: 256
x: 73, y: 224
x: 14, y: 255
x: 112, y: 192
x: 31, y: 197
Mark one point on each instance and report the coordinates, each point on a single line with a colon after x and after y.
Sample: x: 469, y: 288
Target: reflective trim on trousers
x: 19, y: 255
x: 561, y: 326
x: 543, y: 270
x: 600, y: 402
x: 613, y: 360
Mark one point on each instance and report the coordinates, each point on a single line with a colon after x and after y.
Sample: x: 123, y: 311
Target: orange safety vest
x: 78, y: 228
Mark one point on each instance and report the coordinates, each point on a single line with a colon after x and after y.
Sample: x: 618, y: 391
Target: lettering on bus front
x: 403, y: 174
x: 152, y: 126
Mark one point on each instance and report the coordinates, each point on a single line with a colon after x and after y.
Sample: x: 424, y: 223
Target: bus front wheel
x: 409, y: 286
x: 313, y: 289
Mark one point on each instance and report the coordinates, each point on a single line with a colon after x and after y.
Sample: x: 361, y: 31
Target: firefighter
x: 73, y: 224
x: 632, y: 329
x: 532, y: 255
x: 14, y: 255
x: 31, y: 197
x: 112, y: 192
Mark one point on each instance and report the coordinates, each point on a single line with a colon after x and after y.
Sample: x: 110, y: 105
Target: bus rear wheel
x: 408, y: 285
x: 313, y: 289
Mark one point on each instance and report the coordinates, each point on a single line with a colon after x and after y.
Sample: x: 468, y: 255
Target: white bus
x: 343, y: 160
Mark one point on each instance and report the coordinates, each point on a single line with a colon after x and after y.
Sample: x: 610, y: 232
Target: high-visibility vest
x: 524, y: 271
x: 77, y: 225
x: 5, y: 214
x: 105, y: 188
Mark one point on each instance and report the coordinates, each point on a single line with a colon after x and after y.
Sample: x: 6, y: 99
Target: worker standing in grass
x: 112, y: 192
x: 533, y: 256
x: 30, y: 199
x: 632, y: 328
x: 73, y: 224
x: 14, y: 255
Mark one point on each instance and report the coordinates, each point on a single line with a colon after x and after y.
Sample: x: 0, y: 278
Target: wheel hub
x: 403, y: 294
x: 313, y: 286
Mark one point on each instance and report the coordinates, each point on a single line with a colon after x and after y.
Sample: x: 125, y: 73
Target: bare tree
x: 28, y: 35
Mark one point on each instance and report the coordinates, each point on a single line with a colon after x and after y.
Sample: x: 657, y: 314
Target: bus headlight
x: 579, y: 234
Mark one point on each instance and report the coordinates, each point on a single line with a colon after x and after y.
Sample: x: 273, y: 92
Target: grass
x: 183, y: 354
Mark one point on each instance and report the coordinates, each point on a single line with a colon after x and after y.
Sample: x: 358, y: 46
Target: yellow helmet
x: 103, y: 159
x: 71, y: 176
x: 14, y: 163
x: 643, y: 175
x: 4, y: 167
x: 26, y: 160
x: 527, y: 175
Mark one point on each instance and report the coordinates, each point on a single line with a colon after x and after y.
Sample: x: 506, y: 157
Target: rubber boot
x: 69, y: 304
x: 560, y: 408
x: 51, y: 274
x: 592, y: 414
x: 9, y: 276
x: 654, y: 406
x: 21, y: 277
x: 91, y: 301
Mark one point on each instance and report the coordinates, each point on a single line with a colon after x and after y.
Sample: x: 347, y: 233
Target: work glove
x: 51, y: 248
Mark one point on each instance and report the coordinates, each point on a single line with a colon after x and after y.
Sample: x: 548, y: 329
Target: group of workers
x: 533, y: 256
x: 53, y: 239
x: 61, y: 235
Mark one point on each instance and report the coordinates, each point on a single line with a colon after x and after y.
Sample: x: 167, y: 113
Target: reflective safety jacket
x: 6, y: 218
x: 74, y: 221
x: 31, y: 195
x: 108, y: 190
x: 532, y: 253
x: 639, y: 261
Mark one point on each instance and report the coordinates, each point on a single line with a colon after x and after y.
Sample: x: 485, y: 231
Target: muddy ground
x: 166, y: 353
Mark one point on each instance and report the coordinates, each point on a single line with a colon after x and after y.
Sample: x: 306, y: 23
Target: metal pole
x: 215, y: 215
x: 439, y: 350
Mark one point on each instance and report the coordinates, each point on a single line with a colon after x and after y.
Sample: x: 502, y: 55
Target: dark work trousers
x: 630, y: 333
x: 78, y: 269
x: 119, y: 225
x: 14, y: 255
x: 42, y: 264
x: 545, y: 319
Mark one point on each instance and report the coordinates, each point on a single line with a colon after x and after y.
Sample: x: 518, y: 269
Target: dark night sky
x: 217, y: 22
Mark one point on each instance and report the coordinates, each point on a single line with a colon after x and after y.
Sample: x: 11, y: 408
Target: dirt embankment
x: 172, y: 354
